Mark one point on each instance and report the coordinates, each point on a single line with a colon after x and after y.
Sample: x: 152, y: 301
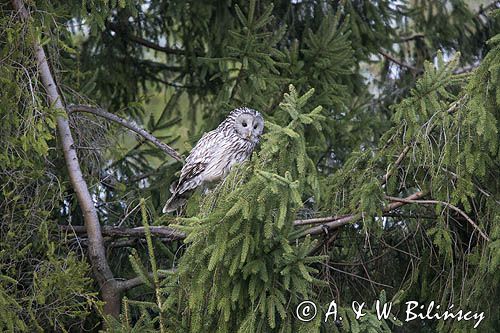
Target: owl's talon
x: 325, y: 228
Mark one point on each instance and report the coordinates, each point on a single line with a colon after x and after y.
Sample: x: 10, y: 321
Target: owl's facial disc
x: 249, y: 127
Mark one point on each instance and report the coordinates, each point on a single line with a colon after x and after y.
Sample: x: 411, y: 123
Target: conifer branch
x: 167, y: 233
x: 444, y: 203
x: 451, y: 109
x: 96, y: 250
x: 146, y: 135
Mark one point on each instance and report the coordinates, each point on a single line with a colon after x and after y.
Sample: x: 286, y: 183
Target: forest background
x: 378, y: 177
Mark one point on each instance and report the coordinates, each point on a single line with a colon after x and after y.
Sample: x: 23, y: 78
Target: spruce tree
x: 377, y: 177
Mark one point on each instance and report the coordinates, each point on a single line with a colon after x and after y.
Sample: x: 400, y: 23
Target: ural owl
x: 216, y: 152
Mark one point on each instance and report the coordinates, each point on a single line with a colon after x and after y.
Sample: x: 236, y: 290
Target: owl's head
x: 248, y: 124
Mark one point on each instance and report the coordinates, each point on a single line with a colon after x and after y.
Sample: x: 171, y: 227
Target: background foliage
x: 364, y: 101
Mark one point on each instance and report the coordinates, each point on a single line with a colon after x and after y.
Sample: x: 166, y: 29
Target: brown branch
x: 104, y: 114
x: 144, y: 42
x: 396, y: 164
x: 317, y: 220
x: 399, y: 62
x: 96, y: 251
x: 412, y: 37
x: 160, y: 231
x: 137, y: 281
x: 168, y: 233
x: 334, y: 222
x: 438, y: 202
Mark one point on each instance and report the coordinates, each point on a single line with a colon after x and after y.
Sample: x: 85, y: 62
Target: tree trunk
x: 96, y: 250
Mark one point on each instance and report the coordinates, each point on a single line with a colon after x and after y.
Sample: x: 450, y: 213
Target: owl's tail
x: 175, y: 202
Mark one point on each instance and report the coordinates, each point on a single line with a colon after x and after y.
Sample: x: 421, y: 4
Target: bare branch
x: 144, y: 42
x: 102, y: 113
x: 396, y: 164
x: 327, y: 223
x: 334, y: 222
x: 467, y: 69
x: 317, y: 220
x: 398, y: 62
x: 160, y: 231
x: 412, y: 37
x: 444, y: 203
x: 137, y: 281
x: 97, y: 254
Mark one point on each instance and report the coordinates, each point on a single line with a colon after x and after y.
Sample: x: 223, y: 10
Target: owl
x: 232, y: 142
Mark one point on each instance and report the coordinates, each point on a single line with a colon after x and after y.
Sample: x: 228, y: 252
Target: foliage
x: 44, y: 284
x: 363, y: 101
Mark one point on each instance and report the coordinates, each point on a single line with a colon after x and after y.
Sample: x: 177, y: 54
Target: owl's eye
x: 244, y: 124
x: 254, y: 126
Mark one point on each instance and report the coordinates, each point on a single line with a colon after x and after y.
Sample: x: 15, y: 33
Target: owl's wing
x: 196, y: 162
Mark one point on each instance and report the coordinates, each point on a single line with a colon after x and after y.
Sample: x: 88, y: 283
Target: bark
x: 323, y: 223
x: 160, y: 231
x: 96, y: 250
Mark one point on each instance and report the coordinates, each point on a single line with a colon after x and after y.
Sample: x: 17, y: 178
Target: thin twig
x: 412, y: 37
x: 396, y: 164
x: 141, y: 41
x: 104, y: 114
x: 357, y: 276
x: 334, y: 222
x: 317, y: 220
x: 444, y: 203
x: 399, y: 62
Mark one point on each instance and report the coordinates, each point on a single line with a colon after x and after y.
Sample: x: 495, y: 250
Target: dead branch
x: 160, y: 231
x: 104, y: 114
x: 335, y: 223
x: 399, y: 62
x: 144, y: 42
x: 444, y: 203
x: 137, y: 281
x: 317, y: 220
x: 396, y: 164
x: 412, y: 37
x: 168, y: 233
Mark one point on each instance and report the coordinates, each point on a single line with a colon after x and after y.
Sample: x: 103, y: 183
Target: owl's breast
x: 227, y: 155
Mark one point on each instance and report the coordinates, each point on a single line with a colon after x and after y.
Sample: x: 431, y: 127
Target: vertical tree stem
x: 96, y: 251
